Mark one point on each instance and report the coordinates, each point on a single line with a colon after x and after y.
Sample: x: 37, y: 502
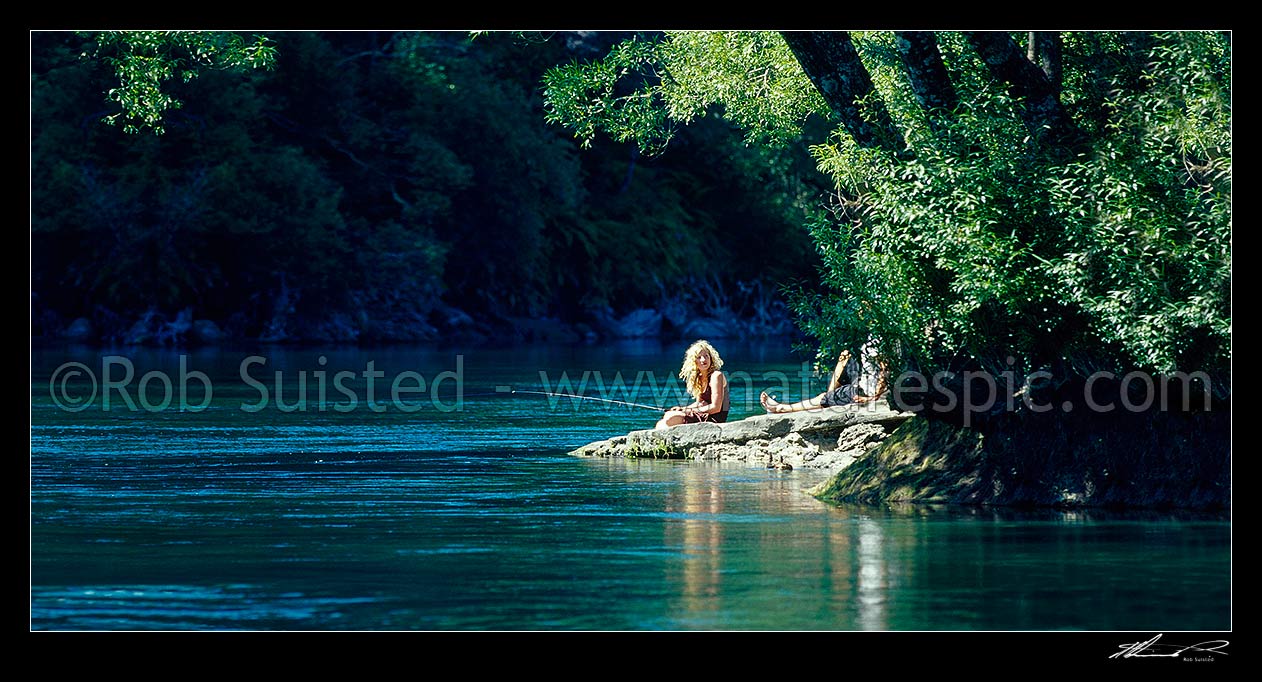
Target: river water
x: 456, y: 507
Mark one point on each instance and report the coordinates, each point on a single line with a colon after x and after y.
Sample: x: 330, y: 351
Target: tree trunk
x: 1044, y: 50
x: 832, y: 63
x: 1043, y: 114
x: 929, y: 79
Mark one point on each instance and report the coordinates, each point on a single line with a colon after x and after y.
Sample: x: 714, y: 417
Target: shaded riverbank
x: 751, y: 311
x: 1120, y: 459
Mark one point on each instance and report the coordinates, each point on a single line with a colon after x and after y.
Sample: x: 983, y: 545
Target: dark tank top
x: 720, y: 416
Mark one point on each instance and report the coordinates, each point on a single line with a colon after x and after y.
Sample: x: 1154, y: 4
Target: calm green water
x: 314, y: 518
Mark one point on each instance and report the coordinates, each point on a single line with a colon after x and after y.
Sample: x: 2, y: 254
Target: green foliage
x: 889, y: 81
x: 644, y: 87
x: 752, y: 74
x: 143, y: 60
x: 986, y: 245
x: 1147, y: 215
x: 207, y: 215
x: 978, y: 241
x: 368, y: 175
x: 586, y: 96
x: 654, y: 448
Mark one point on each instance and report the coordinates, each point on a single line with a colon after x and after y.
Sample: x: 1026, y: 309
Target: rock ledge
x: 820, y: 439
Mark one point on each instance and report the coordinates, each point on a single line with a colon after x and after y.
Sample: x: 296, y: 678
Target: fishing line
x: 570, y: 395
x: 588, y: 397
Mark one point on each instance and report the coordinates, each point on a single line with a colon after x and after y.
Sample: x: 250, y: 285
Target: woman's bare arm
x: 718, y: 395
x: 684, y: 408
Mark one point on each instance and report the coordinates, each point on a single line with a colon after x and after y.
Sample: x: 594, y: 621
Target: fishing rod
x: 570, y: 395
x: 589, y: 397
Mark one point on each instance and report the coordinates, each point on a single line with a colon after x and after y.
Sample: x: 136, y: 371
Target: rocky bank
x: 1164, y: 460
x: 876, y: 455
x: 829, y: 439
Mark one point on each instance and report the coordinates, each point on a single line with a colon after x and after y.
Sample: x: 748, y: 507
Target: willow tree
x: 143, y: 62
x: 1061, y: 199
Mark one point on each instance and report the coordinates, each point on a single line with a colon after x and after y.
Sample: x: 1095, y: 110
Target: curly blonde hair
x: 692, y: 378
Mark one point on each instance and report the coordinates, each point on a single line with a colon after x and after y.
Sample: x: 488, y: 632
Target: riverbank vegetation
x: 1049, y: 208
x: 381, y: 186
x: 1010, y: 202
x: 1006, y: 202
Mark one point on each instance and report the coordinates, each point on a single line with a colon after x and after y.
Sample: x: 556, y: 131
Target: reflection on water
x: 843, y: 557
x: 700, y: 500
x: 872, y: 584
x: 274, y: 520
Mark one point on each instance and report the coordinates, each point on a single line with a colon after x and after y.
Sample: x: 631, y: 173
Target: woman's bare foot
x: 769, y: 404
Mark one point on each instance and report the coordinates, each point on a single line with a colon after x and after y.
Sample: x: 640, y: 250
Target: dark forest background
x: 378, y: 186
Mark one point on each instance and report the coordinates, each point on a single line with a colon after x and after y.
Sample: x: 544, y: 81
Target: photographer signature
x: 1138, y: 649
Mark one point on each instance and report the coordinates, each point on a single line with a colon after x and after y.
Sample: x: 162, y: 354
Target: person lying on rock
x: 855, y: 381
x: 701, y: 376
